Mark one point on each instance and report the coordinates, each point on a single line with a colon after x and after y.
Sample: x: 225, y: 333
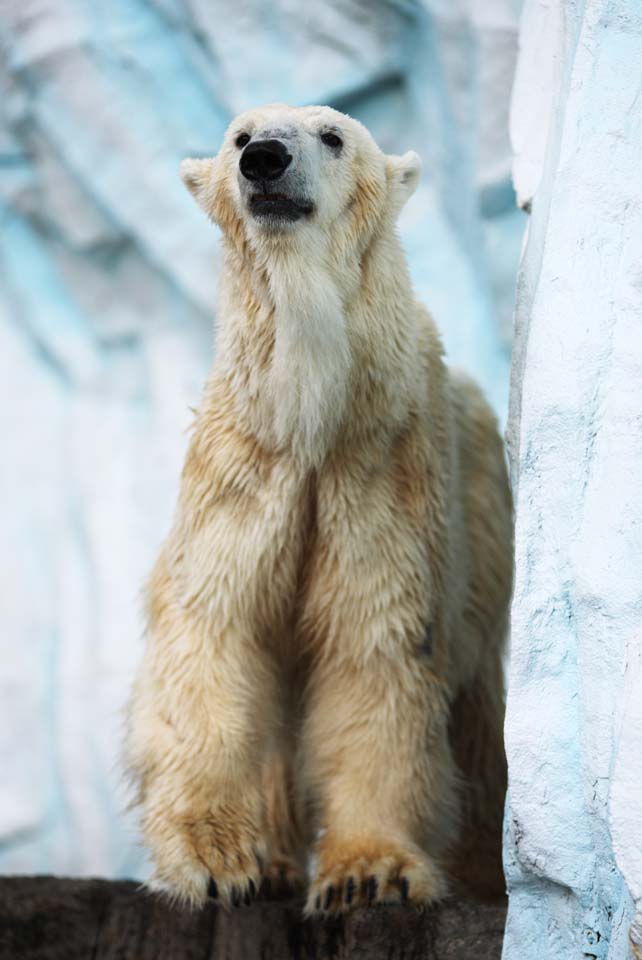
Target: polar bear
x: 321, y: 698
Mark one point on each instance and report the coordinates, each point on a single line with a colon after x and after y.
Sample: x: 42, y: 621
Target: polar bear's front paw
x: 364, y: 871
x: 218, y: 853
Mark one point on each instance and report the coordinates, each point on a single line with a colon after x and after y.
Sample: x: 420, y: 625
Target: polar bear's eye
x: 242, y: 140
x: 332, y: 140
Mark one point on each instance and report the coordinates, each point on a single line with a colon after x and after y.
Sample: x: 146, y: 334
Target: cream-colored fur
x: 326, y: 618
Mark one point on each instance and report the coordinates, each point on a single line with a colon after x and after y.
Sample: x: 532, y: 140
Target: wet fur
x: 326, y: 618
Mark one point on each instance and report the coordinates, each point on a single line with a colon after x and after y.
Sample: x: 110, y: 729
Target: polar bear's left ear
x: 197, y: 177
x: 403, y: 176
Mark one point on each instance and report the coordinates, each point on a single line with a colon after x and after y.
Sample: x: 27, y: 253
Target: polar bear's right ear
x: 197, y: 177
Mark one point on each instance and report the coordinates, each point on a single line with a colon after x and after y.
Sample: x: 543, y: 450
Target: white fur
x: 311, y: 363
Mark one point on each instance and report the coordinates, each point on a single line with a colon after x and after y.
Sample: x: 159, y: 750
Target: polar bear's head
x: 282, y: 169
x: 300, y: 194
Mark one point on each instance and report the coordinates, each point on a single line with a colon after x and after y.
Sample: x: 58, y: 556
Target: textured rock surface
x: 51, y: 919
x: 574, y: 724
x: 107, y: 295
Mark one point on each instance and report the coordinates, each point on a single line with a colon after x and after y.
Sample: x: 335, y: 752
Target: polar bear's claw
x: 371, y: 889
x: 350, y: 888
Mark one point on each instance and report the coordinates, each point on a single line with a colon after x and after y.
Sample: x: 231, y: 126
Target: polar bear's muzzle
x: 264, y: 164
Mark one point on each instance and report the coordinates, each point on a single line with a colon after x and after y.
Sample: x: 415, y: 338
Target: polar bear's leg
x: 478, y: 708
x: 376, y: 756
x: 380, y: 769
x: 196, y: 755
x: 477, y: 740
x: 206, y: 700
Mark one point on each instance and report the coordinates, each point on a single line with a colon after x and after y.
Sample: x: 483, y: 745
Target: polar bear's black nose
x: 264, y: 160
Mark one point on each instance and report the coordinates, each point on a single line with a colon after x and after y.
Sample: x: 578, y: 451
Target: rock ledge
x: 49, y: 918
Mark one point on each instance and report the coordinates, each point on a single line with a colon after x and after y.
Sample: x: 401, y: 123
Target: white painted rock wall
x: 574, y: 722
x: 107, y: 295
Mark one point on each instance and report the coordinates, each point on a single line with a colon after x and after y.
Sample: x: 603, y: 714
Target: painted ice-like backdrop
x: 107, y: 301
x: 573, y: 847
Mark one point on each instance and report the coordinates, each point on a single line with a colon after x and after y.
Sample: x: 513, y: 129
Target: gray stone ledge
x: 49, y: 918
